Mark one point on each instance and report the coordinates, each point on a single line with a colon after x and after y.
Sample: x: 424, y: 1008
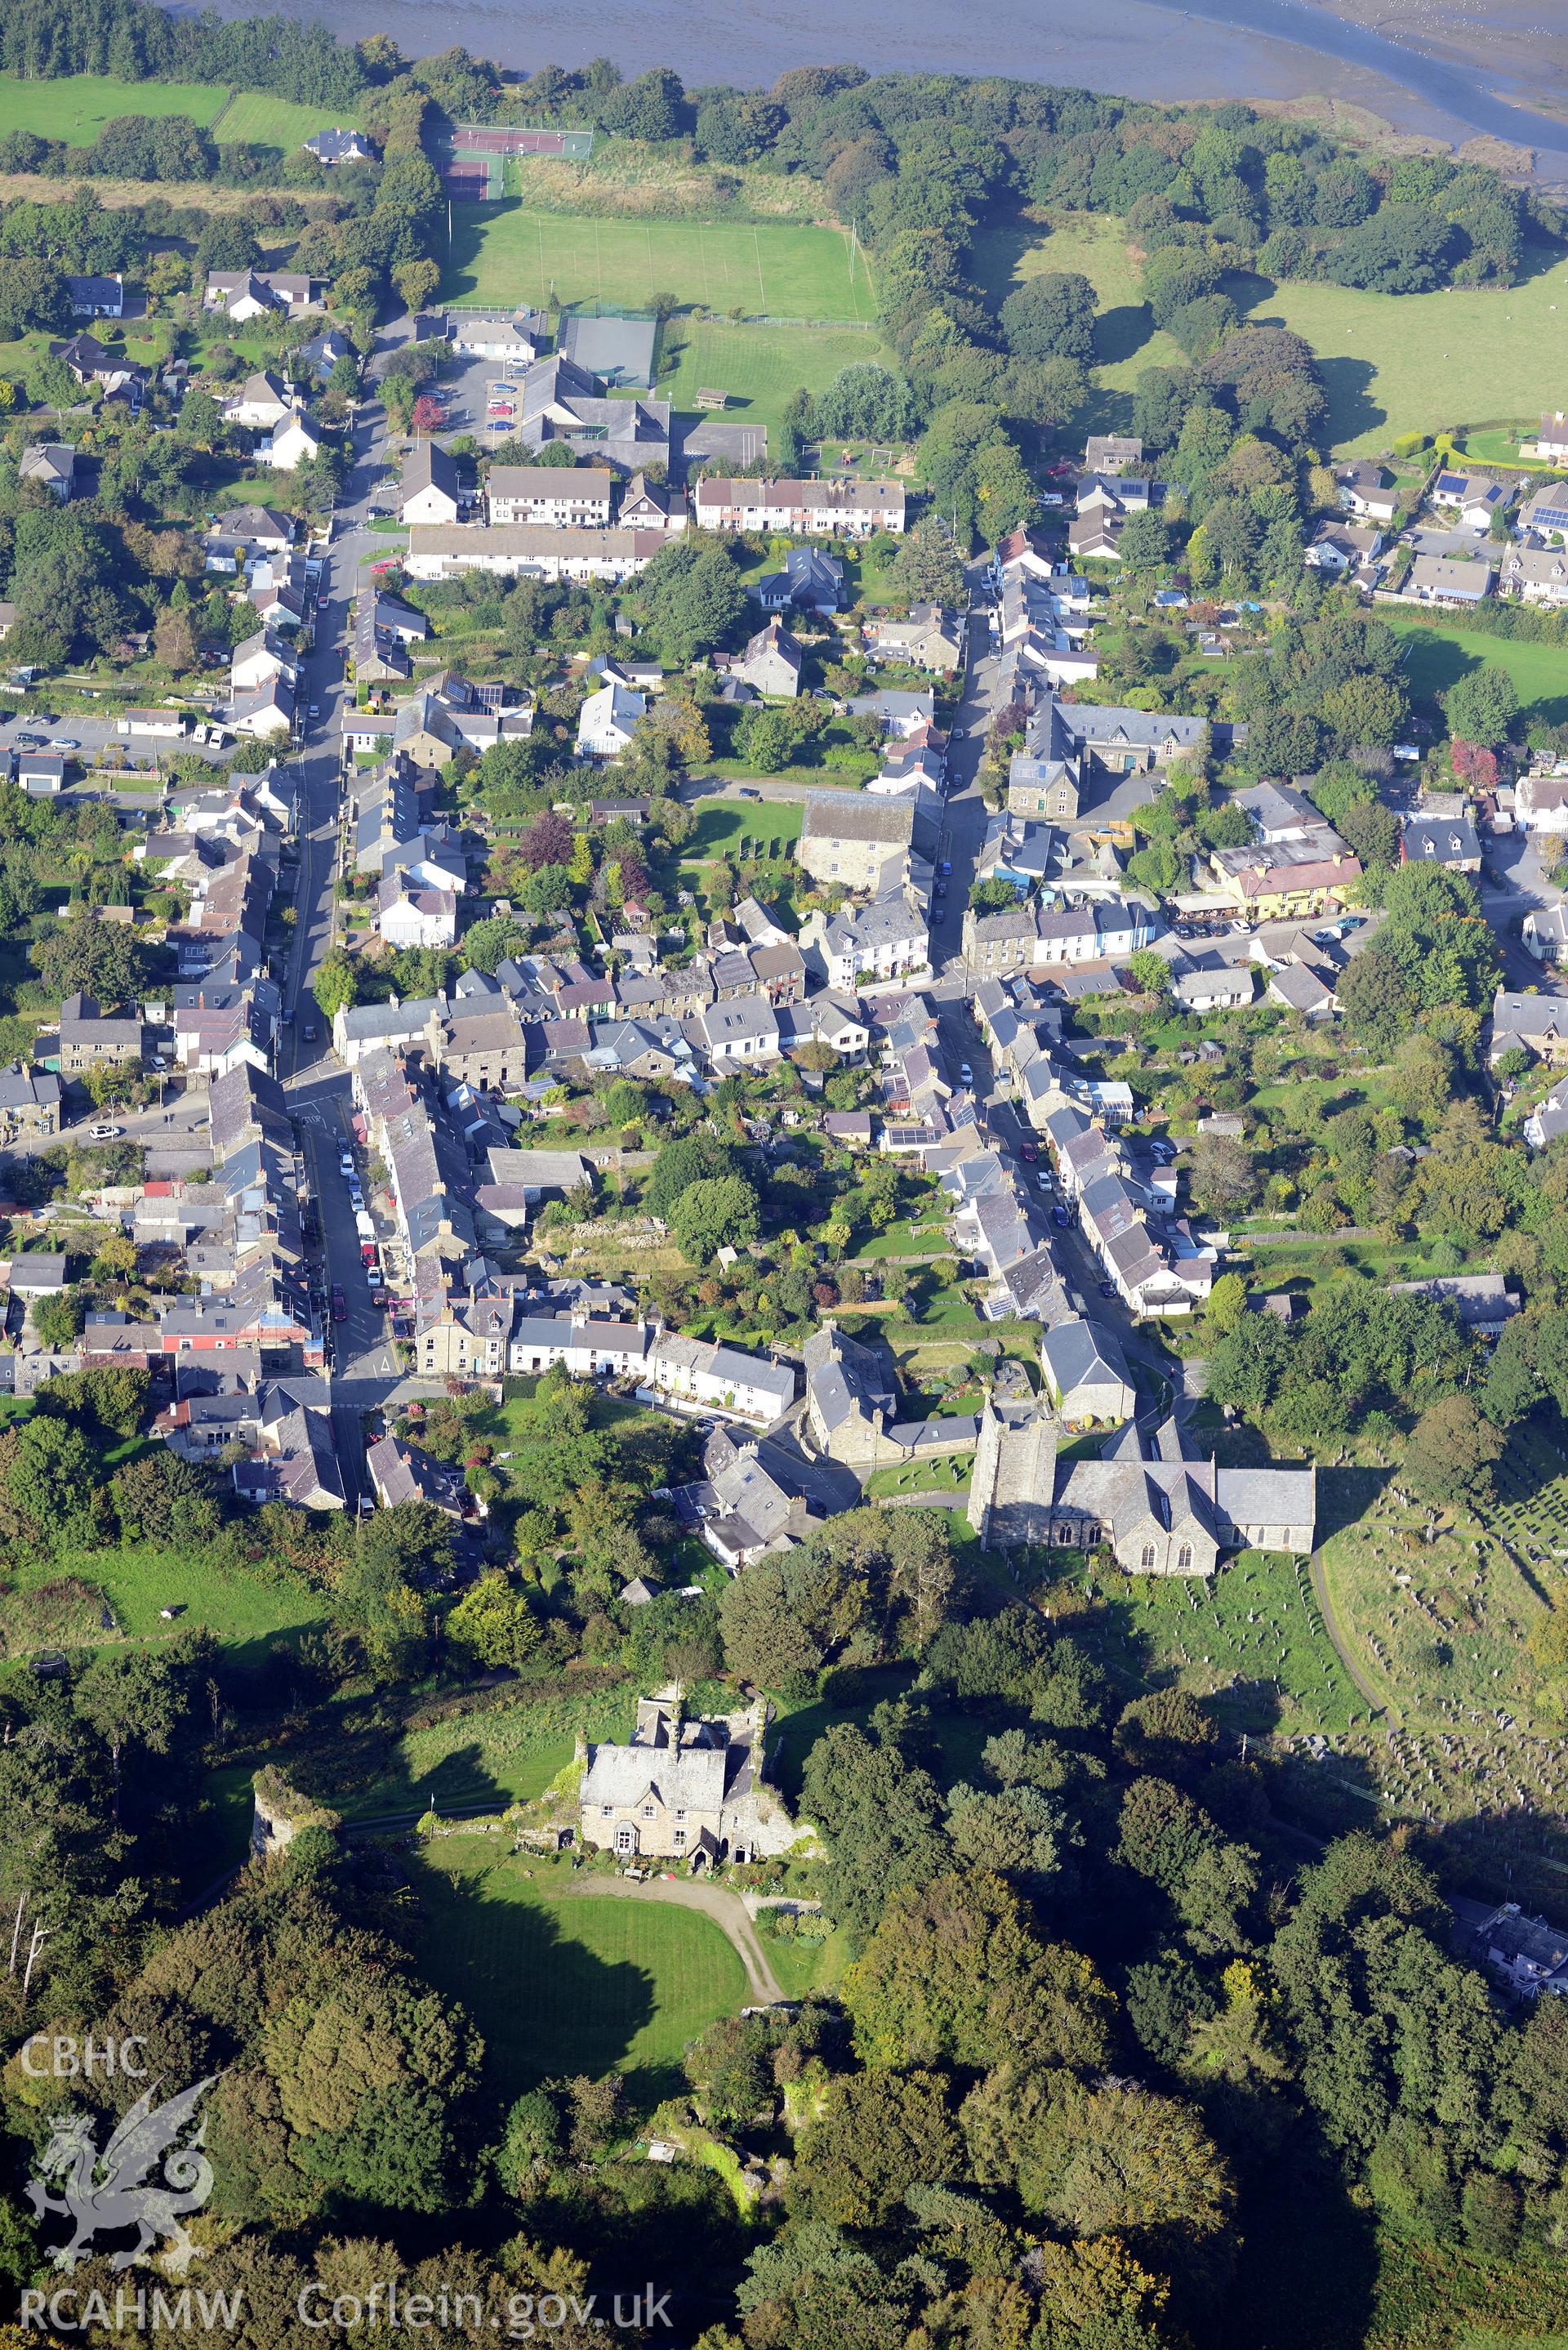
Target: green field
x: 761, y: 368
x: 77, y: 107
x: 240, y: 1607
x: 1436, y: 657
x: 507, y: 1751
x: 504, y: 252
x: 254, y: 116
x: 1391, y: 363
x: 560, y: 1982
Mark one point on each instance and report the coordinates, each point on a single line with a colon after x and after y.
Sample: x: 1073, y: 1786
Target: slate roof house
x: 685, y: 1791
x: 763, y: 1493
x: 1539, y: 1024
x: 850, y: 1398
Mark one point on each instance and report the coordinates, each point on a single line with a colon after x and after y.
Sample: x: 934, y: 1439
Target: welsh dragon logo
x: 103, y: 2193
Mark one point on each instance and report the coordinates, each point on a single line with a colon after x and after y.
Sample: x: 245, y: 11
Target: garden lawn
x: 761, y: 368
x: 1436, y: 657
x: 562, y: 1983
x: 504, y: 253
x: 75, y: 107
x: 1391, y: 363
x: 724, y: 825
x: 260, y: 119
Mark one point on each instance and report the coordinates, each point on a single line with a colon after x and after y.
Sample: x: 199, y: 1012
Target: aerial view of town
x: 784, y: 1176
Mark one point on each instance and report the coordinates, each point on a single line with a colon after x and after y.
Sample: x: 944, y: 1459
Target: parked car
x: 1029, y: 1152
x: 941, y: 890
x: 966, y: 1075
x: 310, y: 1032
x: 64, y: 743
x: 339, y: 1303
x: 104, y: 1133
x: 1107, y: 1289
x: 1060, y: 1216
x: 946, y: 866
x: 1044, y: 1183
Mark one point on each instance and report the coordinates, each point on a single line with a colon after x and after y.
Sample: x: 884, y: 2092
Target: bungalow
x: 647, y: 506
x: 809, y: 580
x: 497, y: 335
x: 1444, y: 579
x: 1224, y: 987
x: 1481, y: 1302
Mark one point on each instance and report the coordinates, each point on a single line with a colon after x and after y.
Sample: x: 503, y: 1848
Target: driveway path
x: 727, y: 1910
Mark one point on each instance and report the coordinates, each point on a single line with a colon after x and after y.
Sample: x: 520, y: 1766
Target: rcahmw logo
x: 151, y: 2173
x: 69, y: 2312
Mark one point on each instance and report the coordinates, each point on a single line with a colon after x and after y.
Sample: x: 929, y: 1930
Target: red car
x: 1029, y: 1152
x: 339, y: 1303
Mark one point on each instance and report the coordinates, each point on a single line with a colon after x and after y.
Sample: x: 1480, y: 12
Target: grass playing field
x: 504, y: 252
x: 1436, y: 657
x: 562, y: 1982
x: 254, y: 116
x: 761, y: 368
x: 77, y: 107
x: 1391, y: 363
